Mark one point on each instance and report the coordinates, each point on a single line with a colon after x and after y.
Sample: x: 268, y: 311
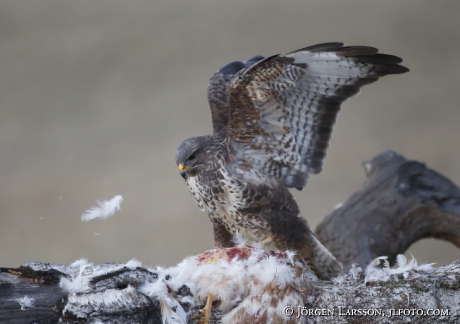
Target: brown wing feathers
x: 218, y: 89
x: 328, y: 84
x: 281, y: 110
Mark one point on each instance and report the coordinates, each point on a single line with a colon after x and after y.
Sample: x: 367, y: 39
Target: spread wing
x: 218, y: 91
x: 280, y: 111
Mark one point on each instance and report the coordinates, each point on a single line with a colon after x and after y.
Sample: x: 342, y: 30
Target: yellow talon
x: 206, y: 310
x: 266, y: 241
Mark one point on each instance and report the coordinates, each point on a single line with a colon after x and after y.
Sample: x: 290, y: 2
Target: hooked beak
x: 183, y: 170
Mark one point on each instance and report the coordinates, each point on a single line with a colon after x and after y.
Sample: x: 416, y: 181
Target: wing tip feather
x: 321, y: 47
x: 231, y: 68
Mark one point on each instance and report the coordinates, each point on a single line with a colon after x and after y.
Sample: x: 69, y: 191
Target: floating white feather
x: 105, y: 209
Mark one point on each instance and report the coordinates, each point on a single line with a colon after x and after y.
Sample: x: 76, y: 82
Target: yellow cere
x: 181, y: 167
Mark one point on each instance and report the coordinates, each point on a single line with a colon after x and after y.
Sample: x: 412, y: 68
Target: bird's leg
x: 206, y: 310
x: 266, y: 241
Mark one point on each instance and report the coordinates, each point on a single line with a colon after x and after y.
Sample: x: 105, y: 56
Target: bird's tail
x: 322, y: 262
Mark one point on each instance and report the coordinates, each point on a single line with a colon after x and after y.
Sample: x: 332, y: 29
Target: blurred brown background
x: 96, y: 96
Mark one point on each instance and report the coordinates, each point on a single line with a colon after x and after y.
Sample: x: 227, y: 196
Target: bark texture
x: 400, y: 203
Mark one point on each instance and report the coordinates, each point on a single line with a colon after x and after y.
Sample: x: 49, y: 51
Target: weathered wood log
x: 401, y: 202
x: 426, y: 298
x: 15, y: 286
x: 51, y: 304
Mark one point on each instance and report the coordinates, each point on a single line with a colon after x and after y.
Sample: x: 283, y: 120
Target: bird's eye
x: 191, y: 157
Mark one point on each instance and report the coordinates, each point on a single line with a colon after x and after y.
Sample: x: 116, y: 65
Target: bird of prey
x: 272, y: 121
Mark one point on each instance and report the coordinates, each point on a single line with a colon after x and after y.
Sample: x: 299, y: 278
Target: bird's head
x: 191, y: 156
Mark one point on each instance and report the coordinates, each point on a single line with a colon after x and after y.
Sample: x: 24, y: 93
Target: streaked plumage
x: 272, y: 122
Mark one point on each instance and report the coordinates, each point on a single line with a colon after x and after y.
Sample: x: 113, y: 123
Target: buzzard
x: 272, y: 121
